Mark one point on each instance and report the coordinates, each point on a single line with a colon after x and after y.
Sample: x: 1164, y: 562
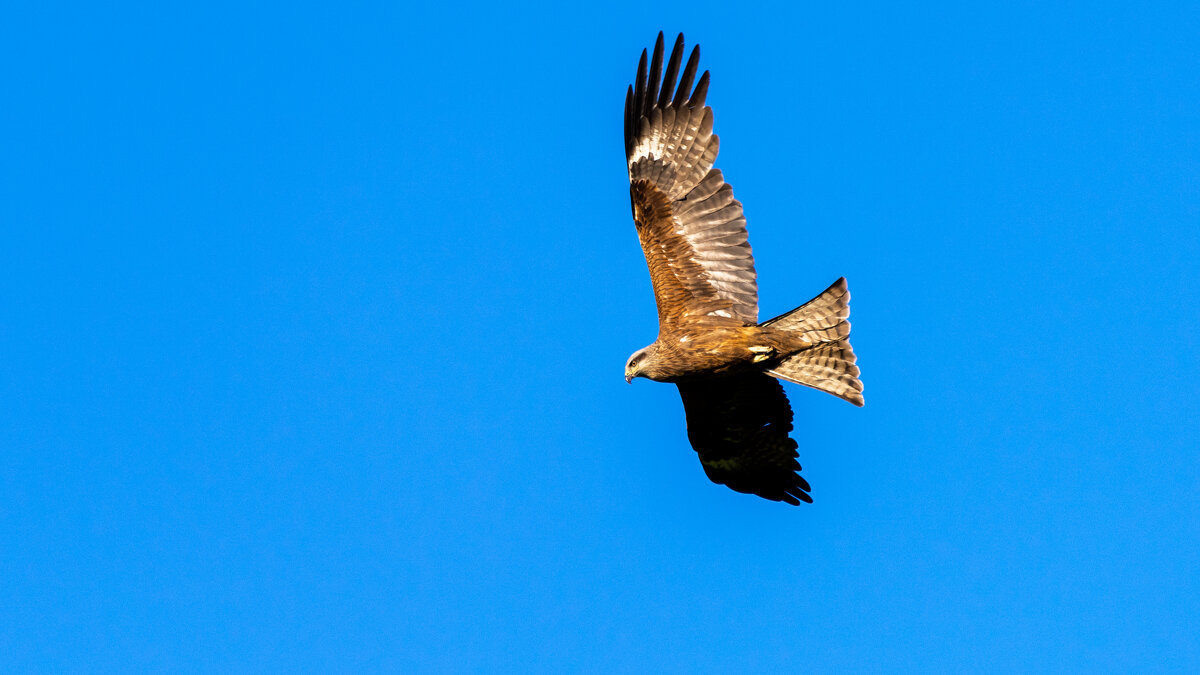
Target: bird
x: 725, y: 363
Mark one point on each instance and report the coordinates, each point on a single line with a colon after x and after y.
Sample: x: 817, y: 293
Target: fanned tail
x: 829, y: 364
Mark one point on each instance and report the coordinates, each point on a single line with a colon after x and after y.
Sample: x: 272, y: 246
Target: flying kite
x: 710, y: 342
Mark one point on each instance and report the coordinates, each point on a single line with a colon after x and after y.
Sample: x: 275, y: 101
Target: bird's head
x: 637, y: 363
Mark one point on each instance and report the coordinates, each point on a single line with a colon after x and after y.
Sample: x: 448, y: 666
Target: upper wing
x: 739, y: 426
x: 690, y: 226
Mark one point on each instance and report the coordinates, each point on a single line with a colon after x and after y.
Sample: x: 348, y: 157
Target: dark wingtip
x: 639, y: 85
x: 668, y: 85
x: 685, y: 80
x: 700, y: 93
x: 630, y: 122
x: 801, y: 489
x: 656, y: 63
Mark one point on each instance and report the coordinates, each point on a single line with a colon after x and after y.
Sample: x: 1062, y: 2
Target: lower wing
x: 739, y: 427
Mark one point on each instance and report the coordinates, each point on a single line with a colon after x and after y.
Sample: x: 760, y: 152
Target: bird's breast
x: 698, y: 353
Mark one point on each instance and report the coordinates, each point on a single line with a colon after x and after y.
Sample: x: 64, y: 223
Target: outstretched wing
x: 690, y: 226
x: 739, y: 426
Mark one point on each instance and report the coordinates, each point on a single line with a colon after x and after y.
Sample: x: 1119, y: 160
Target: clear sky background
x: 313, y: 324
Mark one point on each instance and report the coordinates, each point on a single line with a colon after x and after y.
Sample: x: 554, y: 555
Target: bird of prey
x: 710, y: 342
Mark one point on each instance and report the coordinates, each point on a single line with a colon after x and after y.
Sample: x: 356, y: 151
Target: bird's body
x: 714, y: 346
x: 710, y: 342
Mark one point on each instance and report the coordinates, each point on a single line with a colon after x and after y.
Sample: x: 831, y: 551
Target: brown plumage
x: 710, y: 343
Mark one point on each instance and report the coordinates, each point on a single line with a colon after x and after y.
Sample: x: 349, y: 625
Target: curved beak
x: 628, y: 378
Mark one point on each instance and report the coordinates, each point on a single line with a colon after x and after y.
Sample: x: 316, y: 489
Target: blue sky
x: 313, y: 324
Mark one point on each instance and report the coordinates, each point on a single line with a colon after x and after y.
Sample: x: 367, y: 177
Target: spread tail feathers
x: 828, y: 365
